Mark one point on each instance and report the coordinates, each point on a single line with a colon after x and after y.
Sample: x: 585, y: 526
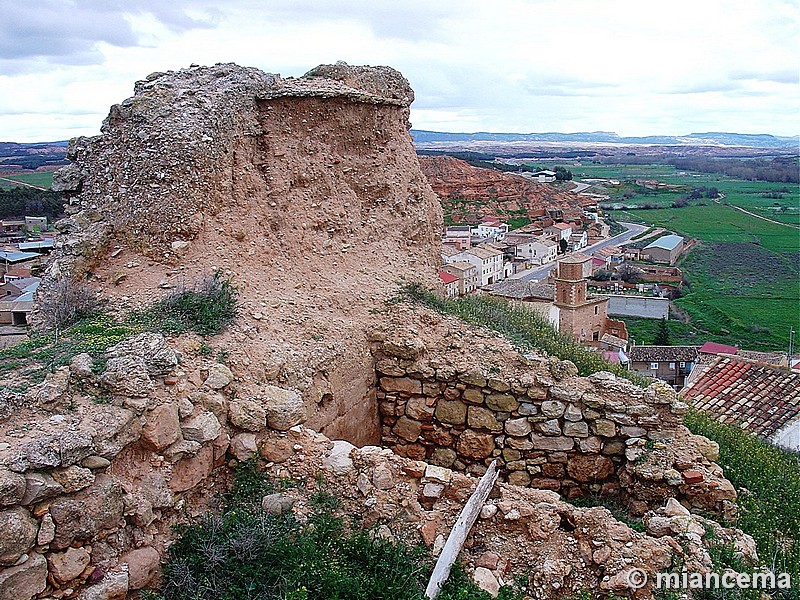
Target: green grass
x: 241, y: 552
x: 42, y: 179
x: 523, y: 327
x: 44, y: 353
x: 205, y: 310
x: 745, y: 276
x: 717, y: 223
x: 768, y: 481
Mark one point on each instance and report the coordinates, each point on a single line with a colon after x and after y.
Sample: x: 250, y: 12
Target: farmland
x: 777, y: 201
x: 40, y: 179
x: 744, y: 274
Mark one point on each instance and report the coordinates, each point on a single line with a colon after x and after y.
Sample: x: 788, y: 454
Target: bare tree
x: 629, y: 273
x: 66, y: 301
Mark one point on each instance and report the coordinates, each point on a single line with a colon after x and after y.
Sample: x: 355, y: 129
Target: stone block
x: 576, y: 428
x: 604, y: 428
x: 473, y: 396
x: 587, y: 468
x: 502, y: 402
x: 541, y: 442
x: 475, y: 445
x: 452, y: 412
x: 407, y: 429
x: 518, y: 427
x: 549, y: 427
x: 553, y: 408
x: 482, y: 418
x: 417, y: 408
x: 401, y: 384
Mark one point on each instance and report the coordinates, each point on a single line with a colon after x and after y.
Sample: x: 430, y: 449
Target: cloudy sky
x: 636, y: 67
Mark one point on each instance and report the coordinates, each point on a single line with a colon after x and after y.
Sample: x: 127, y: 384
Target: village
x: 25, y: 246
x: 585, y: 285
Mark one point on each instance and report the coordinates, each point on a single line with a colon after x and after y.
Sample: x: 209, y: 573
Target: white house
x: 488, y: 261
x: 559, y: 231
x: 545, y: 176
x: 533, y: 248
x: 491, y: 229
x: 578, y: 240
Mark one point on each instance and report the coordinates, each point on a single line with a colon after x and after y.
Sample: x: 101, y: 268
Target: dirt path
x: 747, y: 212
x: 30, y: 185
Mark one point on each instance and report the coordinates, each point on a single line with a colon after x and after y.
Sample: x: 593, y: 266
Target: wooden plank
x: 458, y: 535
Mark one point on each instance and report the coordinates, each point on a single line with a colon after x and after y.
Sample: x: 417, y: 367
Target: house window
x: 682, y: 365
x: 596, y: 335
x: 654, y: 366
x: 595, y: 310
x: 672, y: 366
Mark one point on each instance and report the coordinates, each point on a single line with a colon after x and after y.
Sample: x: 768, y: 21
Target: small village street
x: 539, y: 273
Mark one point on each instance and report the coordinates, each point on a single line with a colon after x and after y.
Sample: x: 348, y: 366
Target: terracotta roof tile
x: 760, y: 397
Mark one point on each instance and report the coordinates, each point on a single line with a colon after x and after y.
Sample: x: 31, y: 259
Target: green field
x: 42, y: 179
x: 744, y: 273
x: 777, y: 201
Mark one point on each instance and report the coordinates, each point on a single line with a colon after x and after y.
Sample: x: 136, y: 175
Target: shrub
x: 205, y: 310
x: 523, y: 327
x: 65, y: 302
x: 242, y: 552
x: 768, y: 481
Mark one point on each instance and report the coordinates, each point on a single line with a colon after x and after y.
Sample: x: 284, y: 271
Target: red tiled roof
x: 714, y: 348
x: 447, y: 278
x: 761, y: 398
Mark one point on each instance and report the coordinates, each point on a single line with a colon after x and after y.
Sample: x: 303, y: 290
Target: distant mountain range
x: 746, y: 140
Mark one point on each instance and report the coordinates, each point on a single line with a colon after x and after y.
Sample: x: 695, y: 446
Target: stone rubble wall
x: 95, y: 473
x: 550, y: 429
x: 93, y: 477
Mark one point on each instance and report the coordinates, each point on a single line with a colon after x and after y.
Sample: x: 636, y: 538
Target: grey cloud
x: 68, y: 32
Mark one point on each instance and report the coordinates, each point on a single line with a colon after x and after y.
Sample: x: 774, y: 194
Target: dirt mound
x: 306, y: 192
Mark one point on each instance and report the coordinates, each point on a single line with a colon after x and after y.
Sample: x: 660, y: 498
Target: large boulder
x: 66, y: 566
x: 24, y: 581
x: 285, y: 408
x: 12, y: 487
x: 17, y: 534
x: 81, y: 516
x: 158, y: 357
x: 144, y: 565
x: 162, y: 428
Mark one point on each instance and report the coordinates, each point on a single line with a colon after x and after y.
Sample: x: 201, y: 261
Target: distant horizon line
x: 597, y: 132
x: 605, y: 132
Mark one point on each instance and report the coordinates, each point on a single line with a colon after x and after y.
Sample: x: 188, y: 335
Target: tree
x: 562, y: 246
x: 629, y: 274
x: 562, y: 174
x: 602, y: 275
x: 662, y: 334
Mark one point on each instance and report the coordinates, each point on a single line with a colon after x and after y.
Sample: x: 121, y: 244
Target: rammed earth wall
x: 549, y: 428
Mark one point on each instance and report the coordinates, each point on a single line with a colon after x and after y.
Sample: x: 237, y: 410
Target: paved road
x: 580, y: 186
x: 539, y: 273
